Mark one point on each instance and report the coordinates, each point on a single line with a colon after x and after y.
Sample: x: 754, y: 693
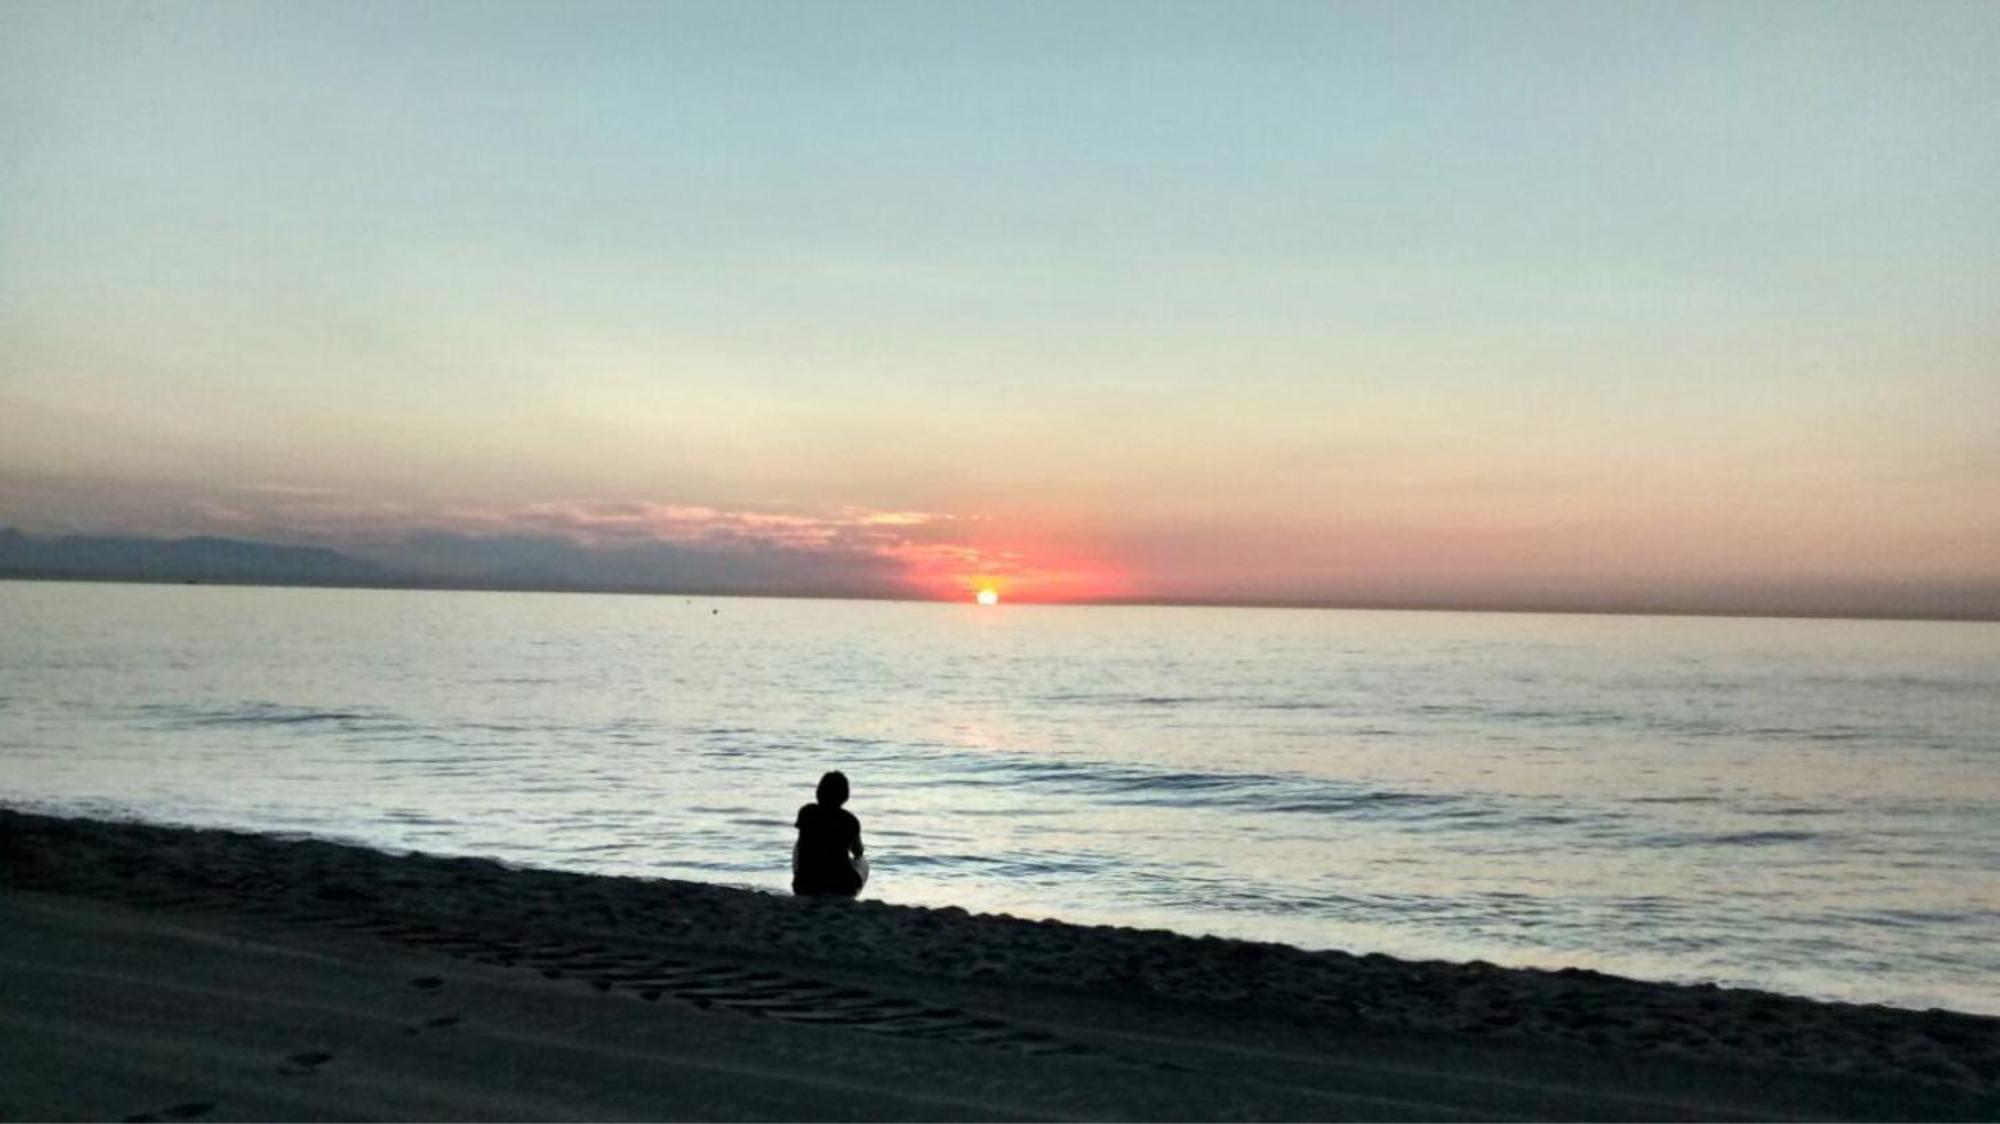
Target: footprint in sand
x: 190, y: 1111
x: 721, y: 986
x: 442, y: 1022
x: 309, y: 1062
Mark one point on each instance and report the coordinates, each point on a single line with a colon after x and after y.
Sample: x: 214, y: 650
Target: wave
x: 1126, y: 784
x: 266, y: 714
x: 1128, y: 699
x: 1743, y: 839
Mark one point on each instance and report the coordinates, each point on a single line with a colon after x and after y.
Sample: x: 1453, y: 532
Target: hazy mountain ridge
x: 440, y: 559
x: 545, y: 562
x: 198, y: 558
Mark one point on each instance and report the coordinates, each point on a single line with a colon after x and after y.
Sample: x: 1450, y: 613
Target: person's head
x: 832, y: 789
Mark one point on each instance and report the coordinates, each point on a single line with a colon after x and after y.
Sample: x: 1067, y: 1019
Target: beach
x: 166, y: 973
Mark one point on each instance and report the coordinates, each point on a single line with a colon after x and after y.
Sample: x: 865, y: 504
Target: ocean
x: 1798, y: 805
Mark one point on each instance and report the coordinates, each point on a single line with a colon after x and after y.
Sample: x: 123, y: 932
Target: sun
x: 988, y: 597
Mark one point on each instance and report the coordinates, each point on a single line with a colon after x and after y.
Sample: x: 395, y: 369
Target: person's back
x: 827, y: 858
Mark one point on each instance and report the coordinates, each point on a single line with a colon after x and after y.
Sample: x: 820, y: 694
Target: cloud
x: 601, y: 522
x: 849, y: 549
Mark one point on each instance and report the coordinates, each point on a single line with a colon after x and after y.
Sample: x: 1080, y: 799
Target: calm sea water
x: 1810, y: 806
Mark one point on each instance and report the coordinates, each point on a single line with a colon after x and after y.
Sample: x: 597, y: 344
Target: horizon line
x: 1299, y: 604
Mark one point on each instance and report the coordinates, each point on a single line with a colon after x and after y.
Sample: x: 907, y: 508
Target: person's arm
x: 857, y: 838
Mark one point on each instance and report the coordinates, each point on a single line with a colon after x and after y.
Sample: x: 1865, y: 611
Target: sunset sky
x: 1595, y: 304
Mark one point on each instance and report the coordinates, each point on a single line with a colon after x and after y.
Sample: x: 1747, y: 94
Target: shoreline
x: 1010, y: 999
x: 120, y: 816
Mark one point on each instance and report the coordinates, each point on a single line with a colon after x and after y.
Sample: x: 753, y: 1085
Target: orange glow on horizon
x: 1027, y: 568
x: 1010, y: 576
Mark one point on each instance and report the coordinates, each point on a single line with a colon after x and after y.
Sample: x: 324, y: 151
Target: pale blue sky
x: 1691, y: 292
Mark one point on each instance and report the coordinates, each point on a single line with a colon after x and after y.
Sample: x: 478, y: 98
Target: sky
x: 1509, y: 305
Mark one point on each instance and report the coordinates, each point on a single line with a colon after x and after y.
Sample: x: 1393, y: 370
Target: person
x: 827, y: 858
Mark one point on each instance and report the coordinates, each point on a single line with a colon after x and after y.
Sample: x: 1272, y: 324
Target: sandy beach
x: 174, y: 974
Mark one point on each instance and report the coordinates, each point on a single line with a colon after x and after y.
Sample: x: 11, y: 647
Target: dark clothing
x: 827, y: 838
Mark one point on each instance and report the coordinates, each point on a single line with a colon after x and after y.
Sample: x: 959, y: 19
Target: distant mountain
x: 190, y: 559
x: 443, y: 560
x: 547, y: 562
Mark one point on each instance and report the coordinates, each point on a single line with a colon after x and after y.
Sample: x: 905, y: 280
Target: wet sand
x: 165, y: 973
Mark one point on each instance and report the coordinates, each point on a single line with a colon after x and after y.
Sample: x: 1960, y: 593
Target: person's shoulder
x: 805, y: 813
x: 850, y: 819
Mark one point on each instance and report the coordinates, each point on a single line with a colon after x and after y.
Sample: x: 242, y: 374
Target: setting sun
x: 988, y: 597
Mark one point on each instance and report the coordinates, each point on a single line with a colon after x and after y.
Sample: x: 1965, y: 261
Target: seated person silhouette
x: 827, y: 858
